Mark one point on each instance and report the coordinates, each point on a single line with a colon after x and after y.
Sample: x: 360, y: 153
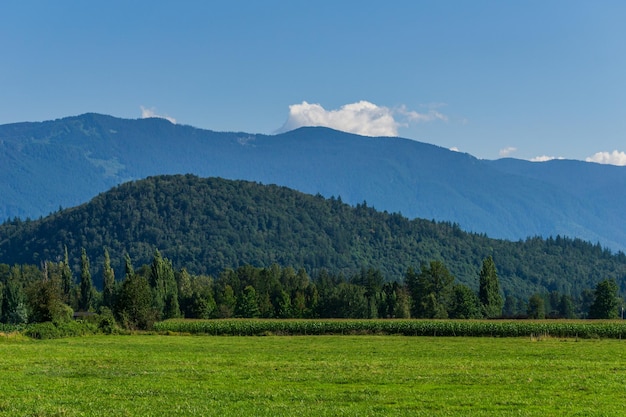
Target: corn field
x: 409, y: 327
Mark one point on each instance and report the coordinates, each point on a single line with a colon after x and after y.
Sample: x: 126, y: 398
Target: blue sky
x: 524, y: 79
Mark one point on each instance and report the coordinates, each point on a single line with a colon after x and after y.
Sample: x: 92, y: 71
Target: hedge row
x: 10, y: 328
x: 252, y: 327
x: 49, y: 330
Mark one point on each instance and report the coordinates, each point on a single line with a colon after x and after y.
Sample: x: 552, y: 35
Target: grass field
x: 310, y: 375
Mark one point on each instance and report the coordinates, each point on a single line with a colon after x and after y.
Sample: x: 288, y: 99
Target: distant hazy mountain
x: 62, y: 163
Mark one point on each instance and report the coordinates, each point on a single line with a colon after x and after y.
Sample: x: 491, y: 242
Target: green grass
x: 310, y: 375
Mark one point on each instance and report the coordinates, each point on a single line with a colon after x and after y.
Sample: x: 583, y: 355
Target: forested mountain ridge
x: 208, y: 225
x: 65, y: 162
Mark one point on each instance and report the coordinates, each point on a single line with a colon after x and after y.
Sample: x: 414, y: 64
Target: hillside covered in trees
x: 68, y: 161
x: 209, y: 225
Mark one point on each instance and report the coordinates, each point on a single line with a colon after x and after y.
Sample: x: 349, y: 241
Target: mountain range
x: 62, y: 163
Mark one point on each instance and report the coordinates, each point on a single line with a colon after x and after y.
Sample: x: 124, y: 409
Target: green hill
x: 66, y: 162
x: 207, y: 225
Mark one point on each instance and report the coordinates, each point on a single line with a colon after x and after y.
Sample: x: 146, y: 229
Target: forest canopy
x: 210, y: 225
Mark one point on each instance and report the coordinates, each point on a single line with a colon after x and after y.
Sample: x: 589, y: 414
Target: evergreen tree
x: 387, y: 300
x: 14, y: 309
x: 412, y: 284
x: 431, y: 290
x: 351, y: 301
x: 605, y: 303
x: 108, y: 281
x: 86, y: 284
x: 489, y: 290
x: 372, y: 281
x: 437, y: 282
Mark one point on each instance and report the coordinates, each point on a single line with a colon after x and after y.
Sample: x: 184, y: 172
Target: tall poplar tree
x: 164, y: 287
x: 67, y: 280
x: 108, y: 281
x: 489, y: 290
x: 86, y: 284
x: 128, y: 267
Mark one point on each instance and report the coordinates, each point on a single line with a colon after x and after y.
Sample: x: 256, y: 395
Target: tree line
x: 157, y: 291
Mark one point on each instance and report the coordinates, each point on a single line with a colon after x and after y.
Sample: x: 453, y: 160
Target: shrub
x: 56, y: 330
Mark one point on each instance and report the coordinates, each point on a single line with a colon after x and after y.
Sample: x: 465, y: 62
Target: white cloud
x: 151, y: 112
x: 414, y: 116
x: 612, y: 158
x: 363, y: 118
x: 545, y: 158
x: 455, y: 149
x: 507, y: 151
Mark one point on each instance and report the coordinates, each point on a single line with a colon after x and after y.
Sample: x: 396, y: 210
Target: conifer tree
x: 431, y: 290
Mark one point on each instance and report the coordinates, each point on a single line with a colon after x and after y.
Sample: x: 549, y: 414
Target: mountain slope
x: 66, y: 162
x: 207, y: 225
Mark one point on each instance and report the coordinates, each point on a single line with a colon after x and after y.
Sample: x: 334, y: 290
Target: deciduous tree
x: 431, y: 290
x: 108, y: 281
x: 465, y: 303
x: 536, y: 307
x: 164, y: 287
x: 86, y: 284
x: 489, y: 290
x: 605, y: 302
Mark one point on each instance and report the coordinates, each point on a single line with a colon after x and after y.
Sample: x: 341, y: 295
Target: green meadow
x: 156, y: 375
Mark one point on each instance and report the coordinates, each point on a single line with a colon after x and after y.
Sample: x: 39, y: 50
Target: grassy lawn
x: 315, y: 376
